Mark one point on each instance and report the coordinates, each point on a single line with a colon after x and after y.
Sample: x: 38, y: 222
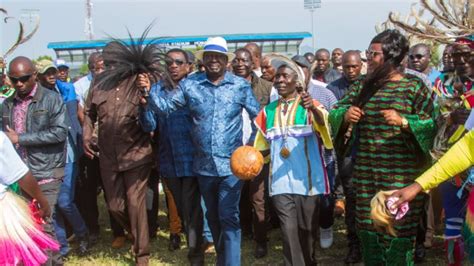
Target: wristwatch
x: 404, y: 123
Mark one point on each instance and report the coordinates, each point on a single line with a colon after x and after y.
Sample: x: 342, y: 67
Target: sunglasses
x: 22, y: 79
x: 466, y: 56
x: 372, y: 53
x: 178, y: 62
x: 417, y: 56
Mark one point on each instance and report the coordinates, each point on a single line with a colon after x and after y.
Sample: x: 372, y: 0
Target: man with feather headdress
x: 453, y: 100
x: 126, y: 155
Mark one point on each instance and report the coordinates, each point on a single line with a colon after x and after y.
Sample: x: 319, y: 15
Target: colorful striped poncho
x: 303, y: 171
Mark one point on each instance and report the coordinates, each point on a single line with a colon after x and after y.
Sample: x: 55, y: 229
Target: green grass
x: 103, y: 254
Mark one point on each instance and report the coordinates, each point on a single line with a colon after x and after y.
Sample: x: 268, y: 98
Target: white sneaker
x: 326, y: 237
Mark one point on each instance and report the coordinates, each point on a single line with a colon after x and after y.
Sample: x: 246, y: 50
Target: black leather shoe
x: 93, y: 239
x: 83, y: 248
x: 354, y: 255
x: 260, y: 250
x: 175, y: 242
x: 420, y: 253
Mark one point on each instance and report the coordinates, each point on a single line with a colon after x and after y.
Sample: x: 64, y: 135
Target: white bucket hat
x: 216, y: 45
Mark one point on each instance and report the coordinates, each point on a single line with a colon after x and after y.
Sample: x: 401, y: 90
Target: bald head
x: 254, y: 49
x: 22, y: 74
x: 419, y: 58
x: 268, y: 69
x: 351, y: 65
x: 422, y: 48
x: 21, y: 65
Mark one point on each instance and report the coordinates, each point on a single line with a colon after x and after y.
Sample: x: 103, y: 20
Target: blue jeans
x: 206, y: 232
x: 454, y: 209
x: 66, y: 209
x: 222, y: 196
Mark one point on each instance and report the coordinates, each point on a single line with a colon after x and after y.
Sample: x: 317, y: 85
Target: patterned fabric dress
x: 387, y: 157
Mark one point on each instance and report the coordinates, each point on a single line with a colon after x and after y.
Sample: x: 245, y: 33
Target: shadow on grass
x: 103, y: 254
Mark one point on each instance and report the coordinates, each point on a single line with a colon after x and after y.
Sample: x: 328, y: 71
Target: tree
x: 84, y: 69
x: 43, y: 57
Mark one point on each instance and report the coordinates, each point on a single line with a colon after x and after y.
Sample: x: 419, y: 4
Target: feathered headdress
x: 22, y: 239
x: 128, y: 59
x: 22, y: 38
x: 283, y: 60
x: 446, y: 21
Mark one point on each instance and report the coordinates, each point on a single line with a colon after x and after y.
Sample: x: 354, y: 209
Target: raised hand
x: 353, y: 115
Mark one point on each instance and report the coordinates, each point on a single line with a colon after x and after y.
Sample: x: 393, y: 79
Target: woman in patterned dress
x: 387, y: 120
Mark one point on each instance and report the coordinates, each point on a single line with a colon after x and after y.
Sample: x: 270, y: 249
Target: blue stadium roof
x: 231, y: 38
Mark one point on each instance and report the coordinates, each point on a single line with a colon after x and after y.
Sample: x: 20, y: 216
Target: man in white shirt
x: 96, y: 66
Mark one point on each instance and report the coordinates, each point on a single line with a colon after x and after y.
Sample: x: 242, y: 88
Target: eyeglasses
x: 22, y: 79
x: 372, y: 53
x: 178, y: 62
x: 417, y: 56
x: 466, y: 56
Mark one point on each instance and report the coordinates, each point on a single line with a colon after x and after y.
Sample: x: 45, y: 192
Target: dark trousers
x: 221, y: 195
x: 86, y: 197
x: 326, y: 213
x: 346, y: 167
x: 253, y: 211
x: 51, y: 192
x: 421, y: 230
x: 299, y: 225
x: 185, y: 191
x: 126, y: 192
x: 153, y: 203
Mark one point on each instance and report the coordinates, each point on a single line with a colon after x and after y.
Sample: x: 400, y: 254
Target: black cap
x: 301, y: 61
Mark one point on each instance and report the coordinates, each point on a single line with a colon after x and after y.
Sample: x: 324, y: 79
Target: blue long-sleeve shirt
x: 175, y: 147
x: 216, y: 112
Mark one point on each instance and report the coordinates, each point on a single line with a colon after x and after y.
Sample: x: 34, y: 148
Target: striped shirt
x: 328, y: 100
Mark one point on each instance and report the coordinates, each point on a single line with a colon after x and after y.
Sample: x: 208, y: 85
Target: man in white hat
x: 215, y: 100
x: 63, y: 70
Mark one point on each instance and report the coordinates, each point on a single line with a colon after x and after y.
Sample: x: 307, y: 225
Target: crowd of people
x: 335, y: 128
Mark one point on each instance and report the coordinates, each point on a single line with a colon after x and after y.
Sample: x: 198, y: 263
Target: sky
x: 348, y: 24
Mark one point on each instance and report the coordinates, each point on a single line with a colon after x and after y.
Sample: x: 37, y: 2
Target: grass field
x: 103, y: 254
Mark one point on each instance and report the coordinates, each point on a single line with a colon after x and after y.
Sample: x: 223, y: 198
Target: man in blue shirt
x: 175, y: 156
x: 66, y: 209
x: 215, y: 100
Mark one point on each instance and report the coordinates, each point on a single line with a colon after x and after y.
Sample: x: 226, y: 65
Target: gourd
x: 246, y: 162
